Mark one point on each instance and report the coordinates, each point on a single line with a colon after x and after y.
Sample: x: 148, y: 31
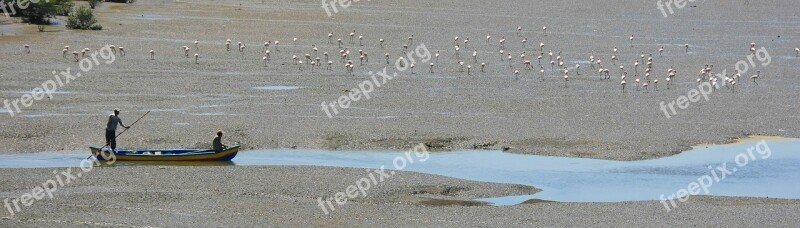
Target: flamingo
x: 488, y: 37
x: 228, y: 45
x: 541, y: 70
x: 411, y: 39
x: 352, y: 34
x: 796, y: 52
x: 330, y: 63
x: 152, y: 55
x: 501, y: 55
x: 265, y: 60
x: 412, y: 68
x: 466, y: 41
x: 64, y: 53
x: 437, y: 56
x: 330, y: 38
x: 276, y: 45
x: 502, y: 42
x: 519, y: 30
x: 516, y: 74
x: 431, y: 67
x: 631, y: 40
x: 566, y: 79
x: 541, y: 47
x: 196, y: 42
x: 241, y: 49
x: 186, y: 51
x: 340, y: 42
x: 578, y: 69
x: 469, y: 67
x: 483, y: 65
x: 669, y: 82
x: 196, y: 58
x: 122, y: 50
x: 637, y: 83
x: 660, y: 50
x: 27, y: 49
x: 266, y: 55
x: 544, y: 30
x: 528, y: 65
x: 387, y: 58
x: 755, y: 76
x: 75, y: 55
x: 360, y: 39
x: 623, y: 83
x: 380, y: 41
x: 461, y: 66
x: 687, y: 48
x: 655, y: 84
x: 475, y: 55
x: 455, y: 40
x: 113, y: 49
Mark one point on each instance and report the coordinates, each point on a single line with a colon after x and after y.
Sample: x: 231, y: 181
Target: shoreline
x: 275, y: 195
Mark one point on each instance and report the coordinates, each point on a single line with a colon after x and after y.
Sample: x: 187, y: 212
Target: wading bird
x: 755, y: 76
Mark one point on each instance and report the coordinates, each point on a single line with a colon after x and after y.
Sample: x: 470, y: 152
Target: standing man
x: 218, y: 146
x: 111, y: 129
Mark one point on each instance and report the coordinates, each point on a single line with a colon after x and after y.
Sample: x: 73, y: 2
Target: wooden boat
x: 167, y: 154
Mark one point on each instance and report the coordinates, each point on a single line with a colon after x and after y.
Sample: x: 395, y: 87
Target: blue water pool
x: 772, y: 170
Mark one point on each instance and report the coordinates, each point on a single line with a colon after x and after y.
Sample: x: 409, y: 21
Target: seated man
x: 217, y: 144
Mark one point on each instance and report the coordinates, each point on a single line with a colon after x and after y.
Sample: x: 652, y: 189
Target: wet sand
x: 287, y: 196
x: 447, y: 110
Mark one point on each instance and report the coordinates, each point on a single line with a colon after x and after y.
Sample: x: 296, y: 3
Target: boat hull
x: 167, y: 154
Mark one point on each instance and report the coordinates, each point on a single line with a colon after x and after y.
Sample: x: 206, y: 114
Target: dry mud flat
x: 447, y: 109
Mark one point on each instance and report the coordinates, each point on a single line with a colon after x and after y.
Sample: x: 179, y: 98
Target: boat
x: 166, y: 154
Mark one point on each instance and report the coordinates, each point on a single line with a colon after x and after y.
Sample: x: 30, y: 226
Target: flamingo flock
x: 307, y: 56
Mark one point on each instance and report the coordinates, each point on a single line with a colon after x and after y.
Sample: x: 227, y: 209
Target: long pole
x: 123, y: 131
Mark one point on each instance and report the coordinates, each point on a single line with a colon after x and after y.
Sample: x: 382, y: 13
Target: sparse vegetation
x: 83, y: 18
x: 94, y: 3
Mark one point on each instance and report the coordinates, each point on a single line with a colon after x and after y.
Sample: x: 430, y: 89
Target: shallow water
x: 54, y: 92
x: 278, y: 87
x: 561, y: 179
